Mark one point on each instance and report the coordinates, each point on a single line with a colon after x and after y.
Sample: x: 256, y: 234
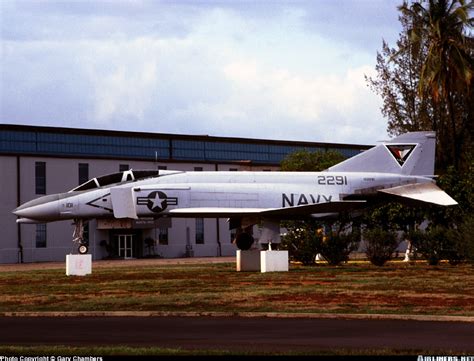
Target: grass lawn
x: 356, y: 287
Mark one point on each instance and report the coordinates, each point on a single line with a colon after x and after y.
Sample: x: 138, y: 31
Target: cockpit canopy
x: 120, y: 177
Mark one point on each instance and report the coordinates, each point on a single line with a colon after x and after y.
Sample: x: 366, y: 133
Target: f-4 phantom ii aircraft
x: 400, y: 169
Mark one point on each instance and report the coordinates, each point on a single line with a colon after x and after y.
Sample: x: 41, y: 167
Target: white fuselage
x: 401, y: 169
x: 158, y: 196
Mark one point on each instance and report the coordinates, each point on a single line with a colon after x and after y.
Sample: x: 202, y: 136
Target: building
x: 35, y: 161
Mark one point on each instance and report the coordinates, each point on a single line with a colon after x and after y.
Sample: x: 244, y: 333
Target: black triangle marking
x: 401, y: 152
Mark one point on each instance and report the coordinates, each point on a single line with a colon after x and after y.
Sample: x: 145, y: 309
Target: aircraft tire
x: 244, y: 241
x: 83, y: 249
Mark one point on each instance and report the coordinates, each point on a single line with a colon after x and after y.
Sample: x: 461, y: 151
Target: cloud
x: 362, y: 23
x: 229, y: 71
x: 274, y: 103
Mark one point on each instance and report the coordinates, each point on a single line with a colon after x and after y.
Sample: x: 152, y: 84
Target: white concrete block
x: 248, y: 260
x: 78, y: 264
x: 274, y: 261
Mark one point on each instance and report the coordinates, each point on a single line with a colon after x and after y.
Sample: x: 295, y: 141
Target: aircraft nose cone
x: 43, y: 209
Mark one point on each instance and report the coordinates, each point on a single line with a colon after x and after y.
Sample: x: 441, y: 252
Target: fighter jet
x: 401, y: 169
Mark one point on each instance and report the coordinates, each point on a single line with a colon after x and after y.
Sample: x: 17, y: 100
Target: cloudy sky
x: 259, y: 69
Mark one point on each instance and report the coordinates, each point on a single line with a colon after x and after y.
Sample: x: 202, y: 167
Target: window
x: 233, y: 170
x: 199, y: 230
x: 41, y: 236
x: 40, y: 177
x: 123, y: 167
x: 186, y: 149
x: 143, y: 174
x: 198, y: 169
x: 163, y: 236
x: 83, y: 172
x: 162, y: 167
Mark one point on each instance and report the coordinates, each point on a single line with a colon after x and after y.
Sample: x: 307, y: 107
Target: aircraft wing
x: 420, y: 193
x: 327, y: 207
x: 282, y: 213
x: 215, y: 212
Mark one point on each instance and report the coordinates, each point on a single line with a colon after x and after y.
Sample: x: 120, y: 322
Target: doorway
x: 126, y: 243
x: 125, y: 246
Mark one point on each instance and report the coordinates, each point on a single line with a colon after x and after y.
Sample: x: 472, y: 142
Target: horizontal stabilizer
x: 281, y: 213
x: 123, y: 202
x: 421, y: 192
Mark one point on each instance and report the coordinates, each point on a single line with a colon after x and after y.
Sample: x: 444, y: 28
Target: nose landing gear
x: 78, y: 236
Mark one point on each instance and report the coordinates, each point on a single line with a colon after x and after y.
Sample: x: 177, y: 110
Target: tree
x: 460, y: 185
x: 447, y: 67
x: 306, y: 161
x: 449, y: 234
x: 397, y: 83
x: 426, y: 81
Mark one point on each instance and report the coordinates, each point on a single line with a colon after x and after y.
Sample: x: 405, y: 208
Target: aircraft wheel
x: 83, y: 249
x: 244, y: 241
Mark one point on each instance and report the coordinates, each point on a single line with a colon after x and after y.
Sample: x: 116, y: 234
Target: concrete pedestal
x: 274, y: 261
x: 248, y: 260
x: 263, y: 261
x: 78, y: 264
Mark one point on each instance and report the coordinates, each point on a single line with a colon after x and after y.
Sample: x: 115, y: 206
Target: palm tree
x: 448, y: 69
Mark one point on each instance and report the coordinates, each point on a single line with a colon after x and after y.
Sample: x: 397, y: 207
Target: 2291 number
x: 331, y: 180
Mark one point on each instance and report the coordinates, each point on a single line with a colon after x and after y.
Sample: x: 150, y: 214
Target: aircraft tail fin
x: 409, y: 154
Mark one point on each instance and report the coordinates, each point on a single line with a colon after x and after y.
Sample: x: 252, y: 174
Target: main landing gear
x: 269, y: 232
x: 244, y: 239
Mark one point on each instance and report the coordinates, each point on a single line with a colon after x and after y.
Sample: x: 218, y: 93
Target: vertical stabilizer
x: 409, y: 154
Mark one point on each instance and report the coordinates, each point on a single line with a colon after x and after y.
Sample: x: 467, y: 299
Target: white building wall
x: 8, y: 201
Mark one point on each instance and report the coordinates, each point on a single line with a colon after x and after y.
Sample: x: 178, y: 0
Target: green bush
x: 337, y: 246
x: 460, y: 242
x: 466, y: 237
x: 438, y: 243
x: 303, y: 241
x: 380, y: 245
